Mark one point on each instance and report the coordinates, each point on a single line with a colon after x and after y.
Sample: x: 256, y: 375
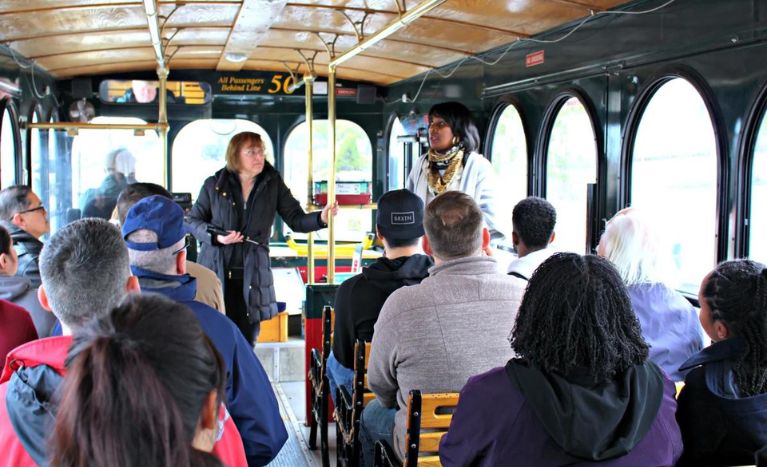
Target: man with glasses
x: 25, y: 217
x: 155, y: 234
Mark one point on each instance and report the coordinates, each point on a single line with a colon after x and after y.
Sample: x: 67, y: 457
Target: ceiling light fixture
x: 235, y: 57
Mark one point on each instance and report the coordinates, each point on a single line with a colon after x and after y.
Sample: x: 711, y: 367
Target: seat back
x: 428, y: 418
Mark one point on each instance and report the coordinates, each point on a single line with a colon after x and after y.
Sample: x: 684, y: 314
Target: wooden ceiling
x: 86, y: 37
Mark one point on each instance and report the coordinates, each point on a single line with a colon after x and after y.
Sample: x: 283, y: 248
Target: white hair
x: 630, y: 243
x: 162, y: 261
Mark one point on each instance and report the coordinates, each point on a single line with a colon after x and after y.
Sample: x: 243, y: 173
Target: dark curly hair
x: 576, y: 315
x: 736, y: 293
x: 459, y: 118
x: 533, y: 219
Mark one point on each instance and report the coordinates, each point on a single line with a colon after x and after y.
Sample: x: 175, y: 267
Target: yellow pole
x: 309, y: 86
x: 332, y: 173
x: 162, y: 120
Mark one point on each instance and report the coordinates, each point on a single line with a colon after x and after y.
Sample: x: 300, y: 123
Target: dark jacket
x: 542, y: 419
x: 19, y: 290
x: 28, y: 388
x: 719, y: 425
x: 217, y: 205
x: 16, y: 328
x: 359, y: 299
x: 670, y: 326
x: 249, y: 399
x: 28, y: 249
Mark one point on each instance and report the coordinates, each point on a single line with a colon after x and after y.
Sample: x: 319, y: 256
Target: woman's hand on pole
x: 232, y: 237
x: 329, y: 210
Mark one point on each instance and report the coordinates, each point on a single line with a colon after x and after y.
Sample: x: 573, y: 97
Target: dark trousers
x: 238, y: 312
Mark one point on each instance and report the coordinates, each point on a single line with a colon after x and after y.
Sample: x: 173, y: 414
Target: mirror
x: 147, y: 92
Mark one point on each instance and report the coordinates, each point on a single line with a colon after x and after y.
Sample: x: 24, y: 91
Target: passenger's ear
x: 18, y: 220
x: 42, y: 297
x: 132, y: 285
x: 207, y: 424
x: 553, y: 236
x: 485, y: 238
x: 514, y: 238
x: 425, y: 245
x: 3, y: 260
x: 721, y: 331
x: 181, y: 263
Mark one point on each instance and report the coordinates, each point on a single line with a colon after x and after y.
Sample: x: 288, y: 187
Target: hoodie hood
x: 34, y: 373
x: 13, y: 287
x: 592, y: 421
x: 747, y: 413
x: 390, y: 274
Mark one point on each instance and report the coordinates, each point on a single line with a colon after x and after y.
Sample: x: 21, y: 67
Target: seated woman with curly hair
x: 723, y: 406
x: 581, y: 390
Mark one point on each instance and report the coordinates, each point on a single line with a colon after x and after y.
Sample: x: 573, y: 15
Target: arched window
x: 571, y: 165
x: 757, y: 248
x: 397, y: 175
x: 8, y: 144
x: 104, y: 161
x: 354, y: 163
x: 674, y: 180
x: 199, y: 150
x: 509, y: 157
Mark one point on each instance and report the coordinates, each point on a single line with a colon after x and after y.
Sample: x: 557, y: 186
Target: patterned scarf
x: 450, y: 162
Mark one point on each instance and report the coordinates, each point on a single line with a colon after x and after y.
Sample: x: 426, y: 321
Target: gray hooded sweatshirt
x: 19, y: 290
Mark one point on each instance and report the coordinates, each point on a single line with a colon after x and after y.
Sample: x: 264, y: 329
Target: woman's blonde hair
x: 237, y: 142
x: 632, y: 246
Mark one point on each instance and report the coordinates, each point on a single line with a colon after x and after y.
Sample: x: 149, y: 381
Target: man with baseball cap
x: 399, y: 226
x: 155, y: 234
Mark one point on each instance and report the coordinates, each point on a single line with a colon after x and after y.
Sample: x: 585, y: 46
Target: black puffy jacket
x: 215, y: 205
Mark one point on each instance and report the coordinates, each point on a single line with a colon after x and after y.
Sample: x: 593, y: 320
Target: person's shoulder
x: 11, y: 309
x: 200, y: 272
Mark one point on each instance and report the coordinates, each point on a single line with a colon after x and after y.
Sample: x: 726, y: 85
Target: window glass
x: 570, y: 166
x: 56, y: 170
x: 37, y: 157
x: 199, y: 150
x: 509, y: 157
x: 7, y: 149
x: 757, y: 247
x: 104, y: 161
x: 354, y: 164
x: 674, y: 178
x: 396, y: 179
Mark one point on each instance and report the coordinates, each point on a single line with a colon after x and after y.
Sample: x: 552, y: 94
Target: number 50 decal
x: 281, y: 83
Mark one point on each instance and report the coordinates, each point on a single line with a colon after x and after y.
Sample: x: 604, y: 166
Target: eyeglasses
x: 186, y: 245
x: 38, y: 208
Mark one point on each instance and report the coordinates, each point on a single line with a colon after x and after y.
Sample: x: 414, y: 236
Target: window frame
x: 34, y: 109
x: 8, y: 104
x: 539, y: 179
x: 746, y: 158
x: 633, y: 121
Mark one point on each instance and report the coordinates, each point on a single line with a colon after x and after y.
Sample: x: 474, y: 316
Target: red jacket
x: 16, y: 328
x: 31, y: 376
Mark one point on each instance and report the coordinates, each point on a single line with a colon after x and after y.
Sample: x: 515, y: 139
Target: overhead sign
x: 253, y: 83
x: 534, y: 58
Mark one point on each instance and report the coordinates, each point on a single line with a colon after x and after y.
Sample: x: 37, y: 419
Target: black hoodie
x: 360, y: 298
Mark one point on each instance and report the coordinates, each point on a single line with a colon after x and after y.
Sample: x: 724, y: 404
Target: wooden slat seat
x: 321, y: 388
x: 428, y: 418
x: 349, y: 408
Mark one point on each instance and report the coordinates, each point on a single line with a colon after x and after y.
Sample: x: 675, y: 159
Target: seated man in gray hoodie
x: 399, y: 226
x: 454, y: 324
x: 19, y: 290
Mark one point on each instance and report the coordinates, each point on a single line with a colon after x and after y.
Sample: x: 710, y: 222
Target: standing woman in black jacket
x: 243, y: 199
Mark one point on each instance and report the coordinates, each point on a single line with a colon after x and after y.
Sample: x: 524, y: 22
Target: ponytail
x: 136, y: 385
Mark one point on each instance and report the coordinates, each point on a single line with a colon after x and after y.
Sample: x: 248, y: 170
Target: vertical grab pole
x: 332, y: 173
x: 309, y: 88
x: 162, y: 119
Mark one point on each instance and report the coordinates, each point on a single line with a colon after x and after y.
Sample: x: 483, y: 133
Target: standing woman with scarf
x: 453, y: 163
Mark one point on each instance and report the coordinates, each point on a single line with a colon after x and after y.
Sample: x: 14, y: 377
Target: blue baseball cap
x: 158, y: 214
